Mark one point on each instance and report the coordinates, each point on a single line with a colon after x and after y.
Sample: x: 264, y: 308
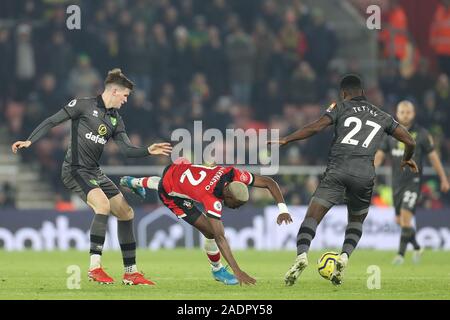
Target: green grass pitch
x: 185, y: 274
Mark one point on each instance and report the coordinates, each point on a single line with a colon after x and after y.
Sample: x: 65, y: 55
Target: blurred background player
x: 359, y: 127
x: 183, y: 183
x: 94, y: 121
x: 406, y: 185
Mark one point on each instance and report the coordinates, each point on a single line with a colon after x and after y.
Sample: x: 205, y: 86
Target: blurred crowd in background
x: 230, y: 63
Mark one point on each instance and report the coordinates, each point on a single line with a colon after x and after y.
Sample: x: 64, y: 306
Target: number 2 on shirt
x: 190, y: 176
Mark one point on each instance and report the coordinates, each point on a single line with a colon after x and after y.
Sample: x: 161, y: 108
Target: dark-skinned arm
x: 308, y: 130
x: 274, y: 189
x: 401, y: 134
x: 224, y: 247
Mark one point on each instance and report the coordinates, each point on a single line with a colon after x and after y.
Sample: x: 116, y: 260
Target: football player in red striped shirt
x: 182, y: 184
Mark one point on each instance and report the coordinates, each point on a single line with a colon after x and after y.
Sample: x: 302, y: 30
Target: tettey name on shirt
x: 365, y: 109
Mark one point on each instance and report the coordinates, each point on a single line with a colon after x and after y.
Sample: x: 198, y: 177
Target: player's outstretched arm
x: 402, y: 135
x: 224, y: 247
x: 307, y: 131
x: 437, y: 165
x: 272, y: 186
x: 131, y: 151
x: 41, y: 130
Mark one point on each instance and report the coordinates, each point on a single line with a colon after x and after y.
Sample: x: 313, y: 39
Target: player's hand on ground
x: 244, y: 278
x: 445, y: 186
x: 281, y: 142
x: 284, y: 217
x: 411, y: 164
x: 19, y: 145
x: 163, y: 148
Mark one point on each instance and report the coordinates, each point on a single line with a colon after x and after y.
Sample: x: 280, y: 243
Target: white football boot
x: 338, y: 272
x: 301, y: 262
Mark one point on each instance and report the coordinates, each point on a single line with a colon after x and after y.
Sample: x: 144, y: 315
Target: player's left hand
x: 163, y: 148
x: 281, y: 142
x: 411, y: 164
x: 445, y: 186
x: 284, y: 217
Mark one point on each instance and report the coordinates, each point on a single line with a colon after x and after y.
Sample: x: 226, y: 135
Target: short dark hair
x: 115, y: 76
x: 351, y: 83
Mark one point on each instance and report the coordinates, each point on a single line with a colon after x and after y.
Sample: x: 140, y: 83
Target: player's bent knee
x: 125, y: 213
x: 101, y: 207
x: 129, y: 213
x: 98, y: 201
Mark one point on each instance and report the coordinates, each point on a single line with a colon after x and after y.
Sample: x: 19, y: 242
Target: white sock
x: 95, y: 261
x: 147, y: 182
x: 130, y: 269
x: 137, y: 182
x: 210, y: 247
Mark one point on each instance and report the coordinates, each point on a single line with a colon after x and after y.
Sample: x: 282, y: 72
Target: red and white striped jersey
x: 203, y: 184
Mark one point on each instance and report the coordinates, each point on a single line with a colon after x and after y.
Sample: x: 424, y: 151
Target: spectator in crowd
x: 6, y: 62
x: 292, y: 39
x: 394, y: 36
x: 198, y: 36
x: 321, y: 43
x: 58, y: 56
x: 7, y: 195
x: 199, y: 88
x: 278, y: 66
x: 160, y: 57
x: 303, y: 85
x: 170, y: 19
x: 123, y: 27
x: 419, y: 82
x: 213, y: 61
x: 110, y: 52
x: 217, y: 12
x: 84, y: 80
x: 429, y: 114
x: 181, y: 59
x: 270, y: 101
x: 137, y: 52
x: 144, y: 10
x: 187, y: 13
x: 442, y: 90
x: 14, y: 115
x: 270, y: 15
x: 440, y: 35
x: 25, y: 61
x: 264, y: 40
x: 48, y: 95
x: 240, y: 52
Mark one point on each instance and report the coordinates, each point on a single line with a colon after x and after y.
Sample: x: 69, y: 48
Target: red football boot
x: 136, y: 278
x: 99, y: 275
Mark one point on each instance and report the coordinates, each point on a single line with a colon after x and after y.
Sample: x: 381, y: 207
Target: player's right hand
x: 19, y: 145
x: 284, y: 217
x: 244, y: 278
x: 411, y: 164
